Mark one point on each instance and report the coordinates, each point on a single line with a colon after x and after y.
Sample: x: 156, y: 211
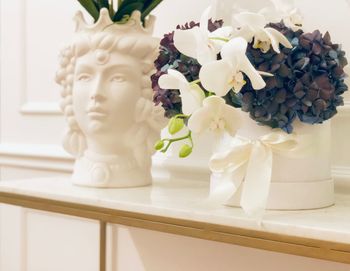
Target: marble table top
x: 188, y: 200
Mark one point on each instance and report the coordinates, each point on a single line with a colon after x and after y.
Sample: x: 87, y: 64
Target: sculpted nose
x: 97, y: 92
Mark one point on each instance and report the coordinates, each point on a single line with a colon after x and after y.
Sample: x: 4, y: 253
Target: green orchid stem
x: 210, y: 94
x: 195, y: 81
x: 190, y: 139
x: 182, y: 116
x: 218, y: 38
x: 172, y: 140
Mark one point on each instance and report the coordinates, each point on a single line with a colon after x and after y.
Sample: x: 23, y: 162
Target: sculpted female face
x: 106, y: 88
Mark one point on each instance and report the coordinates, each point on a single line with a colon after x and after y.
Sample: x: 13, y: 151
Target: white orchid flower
x: 223, y: 75
x: 216, y: 116
x: 284, y: 10
x: 293, y: 19
x: 199, y: 43
x: 252, y: 26
x: 191, y: 94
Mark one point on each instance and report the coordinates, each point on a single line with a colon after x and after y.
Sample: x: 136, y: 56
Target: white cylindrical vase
x: 299, y: 180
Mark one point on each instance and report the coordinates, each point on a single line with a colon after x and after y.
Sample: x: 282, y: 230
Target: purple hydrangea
x: 307, y: 84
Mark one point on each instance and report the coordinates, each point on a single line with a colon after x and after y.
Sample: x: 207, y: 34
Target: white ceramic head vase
x: 107, y: 101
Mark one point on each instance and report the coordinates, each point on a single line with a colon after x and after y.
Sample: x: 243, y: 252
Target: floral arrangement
x: 267, y: 66
x: 122, y: 12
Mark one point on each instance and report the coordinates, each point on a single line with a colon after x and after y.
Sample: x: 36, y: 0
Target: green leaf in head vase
x: 148, y: 7
x: 103, y: 3
x: 127, y: 7
x: 91, y: 8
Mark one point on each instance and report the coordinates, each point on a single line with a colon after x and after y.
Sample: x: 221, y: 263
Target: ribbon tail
x: 224, y: 185
x: 257, y: 181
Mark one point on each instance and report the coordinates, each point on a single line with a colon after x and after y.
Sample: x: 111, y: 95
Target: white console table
x: 86, y: 216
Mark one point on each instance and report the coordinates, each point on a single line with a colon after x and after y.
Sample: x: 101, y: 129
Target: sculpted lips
x: 96, y: 112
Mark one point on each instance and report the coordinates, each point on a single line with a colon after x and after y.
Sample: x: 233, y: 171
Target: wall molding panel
x: 27, y: 104
x: 35, y: 156
x: 40, y: 108
x: 341, y: 172
x: 344, y: 111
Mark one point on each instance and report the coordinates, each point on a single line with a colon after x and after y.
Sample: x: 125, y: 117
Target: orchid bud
x: 175, y: 125
x: 185, y: 151
x: 159, y: 145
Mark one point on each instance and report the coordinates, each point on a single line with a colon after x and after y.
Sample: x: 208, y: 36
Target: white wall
x: 31, y: 124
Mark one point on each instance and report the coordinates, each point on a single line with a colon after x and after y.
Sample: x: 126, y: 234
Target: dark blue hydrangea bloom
x: 307, y: 84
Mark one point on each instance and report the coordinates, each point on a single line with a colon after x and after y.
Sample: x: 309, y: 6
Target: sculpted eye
x: 118, y: 78
x: 84, y: 77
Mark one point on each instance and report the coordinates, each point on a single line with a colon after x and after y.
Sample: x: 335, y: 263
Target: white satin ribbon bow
x: 251, y: 161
